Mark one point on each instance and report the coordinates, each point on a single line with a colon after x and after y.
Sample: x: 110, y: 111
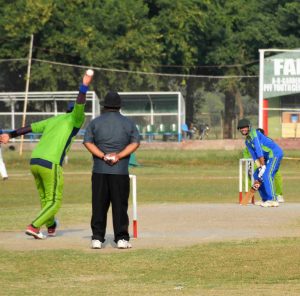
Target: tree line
x: 188, y: 38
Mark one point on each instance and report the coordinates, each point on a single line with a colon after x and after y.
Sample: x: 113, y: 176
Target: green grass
x: 257, y: 267
x: 164, y: 176
x: 250, y: 267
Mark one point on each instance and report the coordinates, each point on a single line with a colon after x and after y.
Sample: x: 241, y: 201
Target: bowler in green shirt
x: 58, y: 133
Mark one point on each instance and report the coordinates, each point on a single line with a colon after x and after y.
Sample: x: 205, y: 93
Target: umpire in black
x: 111, y: 138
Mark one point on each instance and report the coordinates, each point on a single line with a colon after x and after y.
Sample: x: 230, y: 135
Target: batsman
x: 47, y: 158
x: 268, y: 155
x: 277, y: 177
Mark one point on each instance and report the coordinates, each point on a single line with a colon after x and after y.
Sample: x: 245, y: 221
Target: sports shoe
x: 123, y: 244
x: 270, y: 203
x: 52, y: 229
x: 96, y: 244
x: 258, y: 203
x: 35, y: 232
x: 275, y: 203
x: 266, y: 204
x: 280, y: 198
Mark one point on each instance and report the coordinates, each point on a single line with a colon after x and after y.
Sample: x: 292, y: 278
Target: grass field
x: 248, y: 267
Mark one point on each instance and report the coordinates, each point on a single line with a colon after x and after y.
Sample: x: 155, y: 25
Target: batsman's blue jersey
x: 260, y: 145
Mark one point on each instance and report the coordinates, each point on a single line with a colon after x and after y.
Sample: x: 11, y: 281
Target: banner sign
x: 281, y: 75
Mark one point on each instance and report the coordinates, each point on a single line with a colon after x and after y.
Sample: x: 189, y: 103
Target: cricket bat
x: 250, y: 193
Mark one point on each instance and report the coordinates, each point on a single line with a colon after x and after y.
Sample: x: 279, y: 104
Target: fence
x: 205, y: 96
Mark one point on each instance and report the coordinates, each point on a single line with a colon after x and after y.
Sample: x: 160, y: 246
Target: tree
x: 174, y: 37
x: 116, y: 34
x: 18, y: 20
x: 233, y: 33
x: 179, y: 23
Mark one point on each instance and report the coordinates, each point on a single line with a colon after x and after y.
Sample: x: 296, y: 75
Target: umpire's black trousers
x: 108, y: 189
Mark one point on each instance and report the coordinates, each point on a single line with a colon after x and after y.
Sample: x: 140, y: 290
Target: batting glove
x: 261, y: 172
x: 256, y: 185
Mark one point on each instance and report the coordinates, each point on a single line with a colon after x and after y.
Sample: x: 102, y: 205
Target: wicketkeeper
x: 47, y: 158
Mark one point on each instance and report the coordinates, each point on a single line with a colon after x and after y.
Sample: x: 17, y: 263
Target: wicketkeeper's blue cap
x: 112, y: 100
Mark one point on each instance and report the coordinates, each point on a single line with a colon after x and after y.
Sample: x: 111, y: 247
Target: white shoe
x: 258, y: 203
x: 96, y: 244
x: 280, y: 198
x: 123, y: 244
x: 270, y: 203
x: 35, y: 232
x: 266, y: 204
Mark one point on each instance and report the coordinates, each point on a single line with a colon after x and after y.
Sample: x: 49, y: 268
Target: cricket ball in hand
x: 90, y: 72
x: 111, y: 158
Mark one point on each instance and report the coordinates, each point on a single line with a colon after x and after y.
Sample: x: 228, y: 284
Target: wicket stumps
x: 246, y: 167
x: 134, y: 204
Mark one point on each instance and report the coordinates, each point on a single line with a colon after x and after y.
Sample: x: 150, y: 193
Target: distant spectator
x: 184, y: 130
x: 191, y: 131
x: 188, y: 131
x: 203, y: 131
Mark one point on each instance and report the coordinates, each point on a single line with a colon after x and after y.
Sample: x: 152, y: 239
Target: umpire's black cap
x: 112, y: 100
